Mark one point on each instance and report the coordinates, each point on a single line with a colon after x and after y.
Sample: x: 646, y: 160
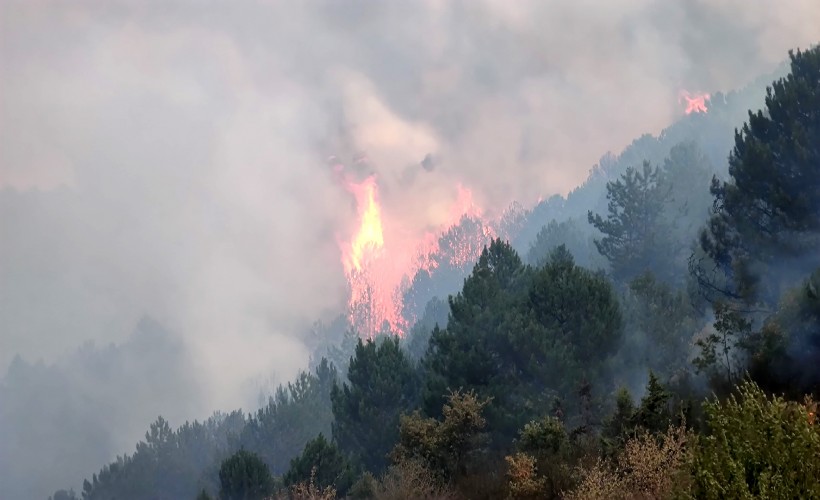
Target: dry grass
x: 411, y: 479
x: 309, y: 490
x: 648, y: 467
x: 524, y: 481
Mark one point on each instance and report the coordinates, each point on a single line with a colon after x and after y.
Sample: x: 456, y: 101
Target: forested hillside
x: 654, y: 334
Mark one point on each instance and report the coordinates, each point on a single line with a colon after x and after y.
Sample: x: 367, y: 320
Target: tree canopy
x: 764, y: 232
x: 381, y: 386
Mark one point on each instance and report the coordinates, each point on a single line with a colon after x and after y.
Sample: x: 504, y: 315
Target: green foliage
x: 577, y: 307
x: 443, y: 446
x: 653, y: 413
x: 322, y: 463
x: 382, y: 384
x: 474, y: 352
x: 178, y: 464
x: 169, y: 464
x: 521, y: 336
x: 758, y: 447
x: 634, y: 237
x: 244, y: 476
x: 294, y: 415
x: 654, y: 214
x: 543, y: 438
x: 619, y: 426
x: 544, y: 459
x: 767, y: 215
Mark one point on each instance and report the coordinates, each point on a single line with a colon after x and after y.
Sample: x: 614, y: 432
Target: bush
x: 648, y: 467
x: 759, y: 447
x: 244, y: 476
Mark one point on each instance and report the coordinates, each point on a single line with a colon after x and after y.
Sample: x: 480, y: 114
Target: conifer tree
x: 382, y: 384
x: 764, y: 232
x: 634, y: 239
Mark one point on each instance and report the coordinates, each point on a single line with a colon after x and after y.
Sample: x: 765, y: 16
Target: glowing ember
x: 695, y: 103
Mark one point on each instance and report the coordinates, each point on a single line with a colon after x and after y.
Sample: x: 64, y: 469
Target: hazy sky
x: 168, y: 158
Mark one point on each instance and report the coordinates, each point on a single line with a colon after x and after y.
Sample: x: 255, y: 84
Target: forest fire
x: 369, y: 238
x: 695, y: 103
x: 381, y: 258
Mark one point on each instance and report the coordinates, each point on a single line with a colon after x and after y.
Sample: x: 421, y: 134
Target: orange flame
x: 371, y: 277
x: 369, y: 238
x: 380, y: 262
x: 694, y: 103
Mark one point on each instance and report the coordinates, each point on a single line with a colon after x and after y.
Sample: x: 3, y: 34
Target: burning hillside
x: 381, y: 258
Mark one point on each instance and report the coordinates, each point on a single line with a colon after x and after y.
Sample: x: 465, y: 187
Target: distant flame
x: 695, y: 103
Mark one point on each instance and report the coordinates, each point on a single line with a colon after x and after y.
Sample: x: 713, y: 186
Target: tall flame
x: 695, y: 103
x: 380, y: 262
x: 369, y: 238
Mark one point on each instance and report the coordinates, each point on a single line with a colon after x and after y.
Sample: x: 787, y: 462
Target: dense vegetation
x: 660, y: 341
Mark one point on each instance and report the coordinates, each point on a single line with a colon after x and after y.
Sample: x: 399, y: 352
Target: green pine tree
x: 764, y: 232
x: 635, y: 239
x: 382, y: 384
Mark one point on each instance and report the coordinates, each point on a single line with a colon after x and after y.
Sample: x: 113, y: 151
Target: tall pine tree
x: 764, y: 232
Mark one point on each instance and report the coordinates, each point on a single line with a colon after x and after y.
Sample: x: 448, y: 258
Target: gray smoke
x: 170, y: 158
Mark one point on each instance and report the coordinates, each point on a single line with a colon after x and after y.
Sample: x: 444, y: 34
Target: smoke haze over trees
x: 170, y: 227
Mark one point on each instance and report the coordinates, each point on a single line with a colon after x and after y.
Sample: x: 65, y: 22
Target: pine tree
x: 382, y: 384
x: 634, y: 240
x: 653, y: 413
x: 620, y: 426
x: 244, y: 476
x: 323, y: 463
x: 764, y: 232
